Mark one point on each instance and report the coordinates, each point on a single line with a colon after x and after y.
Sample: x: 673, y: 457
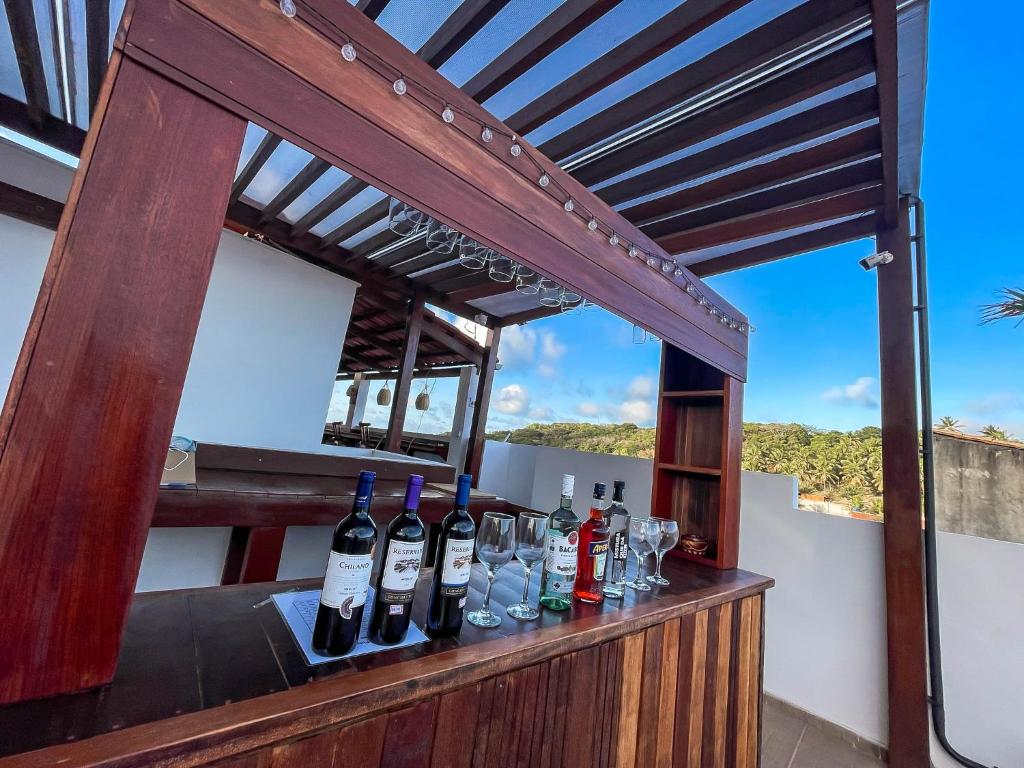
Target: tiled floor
x: 788, y: 741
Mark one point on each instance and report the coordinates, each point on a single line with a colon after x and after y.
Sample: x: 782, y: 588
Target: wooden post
x: 357, y: 405
x: 90, y: 409
x: 407, y: 364
x: 901, y: 503
x: 462, y: 425
x: 475, y: 450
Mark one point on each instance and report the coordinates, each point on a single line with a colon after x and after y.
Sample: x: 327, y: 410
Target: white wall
x: 24, y: 249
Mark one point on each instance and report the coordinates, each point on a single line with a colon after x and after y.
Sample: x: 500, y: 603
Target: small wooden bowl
x: 694, y: 544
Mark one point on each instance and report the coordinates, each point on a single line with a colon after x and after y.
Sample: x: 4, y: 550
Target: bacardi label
x: 346, y: 582
x: 560, y: 561
x: 401, y: 569
x: 458, y: 561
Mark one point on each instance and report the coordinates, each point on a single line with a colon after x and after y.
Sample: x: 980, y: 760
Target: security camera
x: 875, y: 259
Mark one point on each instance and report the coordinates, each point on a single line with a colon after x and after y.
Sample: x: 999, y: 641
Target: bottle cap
x: 618, y: 485
x: 462, y: 490
x: 412, y: 492
x: 599, y: 489
x: 568, y: 482
x: 364, y: 487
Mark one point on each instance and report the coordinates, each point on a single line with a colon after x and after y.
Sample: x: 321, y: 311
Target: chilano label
x: 346, y: 582
x: 560, y: 561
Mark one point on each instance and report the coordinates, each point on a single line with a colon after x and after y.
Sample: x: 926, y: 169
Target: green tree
x: 995, y: 433
x: 1011, y: 306
x: 949, y: 423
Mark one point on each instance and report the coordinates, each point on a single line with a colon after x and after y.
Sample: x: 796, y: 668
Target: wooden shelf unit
x: 697, y: 454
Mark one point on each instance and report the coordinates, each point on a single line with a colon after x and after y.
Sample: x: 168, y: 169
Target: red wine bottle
x: 400, y: 570
x: 452, y: 563
x: 348, y: 576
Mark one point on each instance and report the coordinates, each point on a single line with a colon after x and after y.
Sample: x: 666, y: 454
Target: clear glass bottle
x: 617, y: 517
x: 562, y: 539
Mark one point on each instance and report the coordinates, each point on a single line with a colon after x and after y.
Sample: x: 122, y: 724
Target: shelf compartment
x: 691, y: 470
x: 690, y: 433
x: 693, y: 502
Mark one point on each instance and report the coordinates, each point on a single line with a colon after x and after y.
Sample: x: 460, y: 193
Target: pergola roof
x: 732, y: 132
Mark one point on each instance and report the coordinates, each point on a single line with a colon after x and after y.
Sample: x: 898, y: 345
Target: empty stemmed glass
x: 668, y: 537
x: 530, y: 531
x: 643, y: 533
x: 495, y: 543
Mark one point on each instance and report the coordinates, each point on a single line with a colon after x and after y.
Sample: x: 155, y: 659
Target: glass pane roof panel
x: 412, y: 22
x: 44, y: 22
x: 10, y: 77
x: 353, y: 207
x: 253, y: 136
x: 317, y: 191
x: 286, y: 161
x: 79, y: 56
x: 365, y: 234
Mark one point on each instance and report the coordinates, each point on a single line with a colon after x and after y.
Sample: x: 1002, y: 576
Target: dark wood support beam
x: 884, y: 38
x: 349, y: 189
x: 757, y: 224
x: 455, y: 31
x: 372, y: 8
x: 844, y: 232
x: 485, y: 383
x: 852, y: 147
x: 901, y: 501
x: 646, y: 45
x: 312, y: 171
x: 482, y: 290
x: 21, y: 18
x: 259, y: 158
x: 97, y: 43
x: 30, y: 207
x: 557, y: 28
x: 254, y: 554
x: 41, y: 126
x: 813, y: 123
x: 407, y: 364
x: 66, y: 506
x: 528, y: 315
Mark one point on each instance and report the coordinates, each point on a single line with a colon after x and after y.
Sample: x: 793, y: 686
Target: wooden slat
x: 455, y: 31
x: 349, y: 189
x: 344, y: 231
x: 97, y: 41
x: 670, y: 30
x: 901, y: 501
x: 266, y: 148
x: 312, y: 171
x: 454, y: 731
x: 755, y: 695
x: 813, y: 123
x: 67, y: 60
x: 812, y: 79
x: 561, y: 25
x: 372, y: 8
x: 779, y: 36
x: 409, y: 736
x: 716, y: 688
x: 407, y: 362
x: 311, y: 752
x: 884, y: 37
x: 21, y: 19
x: 629, y: 700
x: 755, y: 225
x: 485, y: 383
x: 650, y: 697
x: 692, y: 744
x: 667, y: 712
x: 134, y: 337
x: 30, y: 207
x: 845, y: 149
x: 823, y: 237
x: 361, y: 743
x: 741, y: 683
x: 41, y: 126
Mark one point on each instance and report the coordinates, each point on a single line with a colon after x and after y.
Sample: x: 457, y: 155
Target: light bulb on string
x: 288, y: 8
x: 634, y: 252
x: 447, y: 114
x: 544, y: 180
x: 486, y: 135
x: 400, y: 87
x: 614, y: 239
x: 592, y: 224
x: 569, y: 205
x: 348, y: 52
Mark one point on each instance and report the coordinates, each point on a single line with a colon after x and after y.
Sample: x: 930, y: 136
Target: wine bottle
x: 592, y: 555
x: 399, y: 571
x: 562, y: 538
x: 452, y: 565
x: 617, y: 517
x: 348, y: 576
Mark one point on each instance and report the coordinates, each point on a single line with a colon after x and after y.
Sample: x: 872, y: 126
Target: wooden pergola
x: 795, y: 133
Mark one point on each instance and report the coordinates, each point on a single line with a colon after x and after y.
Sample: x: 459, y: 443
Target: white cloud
x: 639, y: 412
x: 512, y: 400
x: 547, y: 370
x: 861, y: 393
x: 640, y: 388
x: 588, y: 409
x: 518, y: 346
x: 551, y: 348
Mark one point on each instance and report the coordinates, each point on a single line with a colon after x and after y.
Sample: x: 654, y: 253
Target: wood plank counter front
x: 212, y: 677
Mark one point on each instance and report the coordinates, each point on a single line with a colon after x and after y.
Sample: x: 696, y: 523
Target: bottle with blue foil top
x: 347, y: 579
x: 400, y: 570
x: 452, y: 563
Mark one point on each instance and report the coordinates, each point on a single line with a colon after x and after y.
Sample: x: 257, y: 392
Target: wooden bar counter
x: 212, y: 677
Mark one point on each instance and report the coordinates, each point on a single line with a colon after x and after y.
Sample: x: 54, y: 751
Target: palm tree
x: 949, y: 424
x: 1011, y: 306
x: 994, y: 433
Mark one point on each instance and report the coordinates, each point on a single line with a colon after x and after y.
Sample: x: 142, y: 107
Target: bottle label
x: 619, y: 546
x: 458, y: 561
x: 401, y: 569
x: 346, y: 582
x: 598, y: 557
x: 560, y: 561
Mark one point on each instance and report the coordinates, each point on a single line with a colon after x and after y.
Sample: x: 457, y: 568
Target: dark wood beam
x: 66, y: 506
x: 348, y: 353
x: 21, y: 18
x: 482, y: 290
x: 884, y: 38
x: 259, y: 158
x: 443, y: 332
x: 901, y: 502
x: 557, y: 28
x: 419, y: 373
x: 41, y: 126
x: 370, y: 216
x: 843, y: 232
x: 455, y: 31
x: 312, y: 171
x: 811, y: 79
x: 349, y: 189
x: 30, y: 207
x: 369, y: 245
x: 745, y: 54
x: 401, y: 254
x: 372, y: 8
x: 819, y: 121
x: 848, y: 148
x: 254, y: 554
x: 796, y: 193
x: 529, y: 315
x: 670, y: 30
x: 97, y: 43
x: 406, y: 366
x: 766, y: 223
x: 485, y: 383
x: 425, y: 261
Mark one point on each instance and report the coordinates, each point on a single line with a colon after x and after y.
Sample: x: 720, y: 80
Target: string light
x: 667, y: 267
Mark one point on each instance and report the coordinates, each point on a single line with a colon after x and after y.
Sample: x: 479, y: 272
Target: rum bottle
x: 452, y: 564
x: 592, y: 556
x: 617, y: 517
x: 562, y: 540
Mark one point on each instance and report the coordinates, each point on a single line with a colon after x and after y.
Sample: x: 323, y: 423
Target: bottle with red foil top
x: 399, y: 571
x: 592, y: 555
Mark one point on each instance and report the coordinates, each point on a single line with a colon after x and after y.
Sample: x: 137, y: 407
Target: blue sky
x: 814, y: 357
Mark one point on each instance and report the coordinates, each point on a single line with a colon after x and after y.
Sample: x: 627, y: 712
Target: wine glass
x: 668, y: 537
x: 495, y: 543
x: 642, y: 533
x: 530, y: 532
